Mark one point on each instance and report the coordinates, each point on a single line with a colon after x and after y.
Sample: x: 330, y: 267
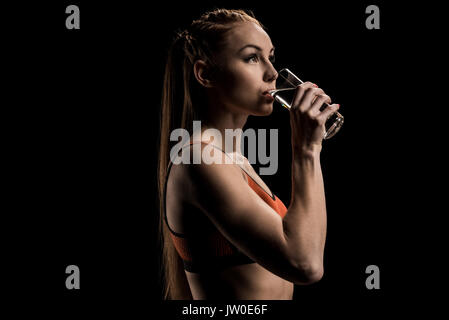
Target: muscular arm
x: 291, y: 248
x: 305, y: 224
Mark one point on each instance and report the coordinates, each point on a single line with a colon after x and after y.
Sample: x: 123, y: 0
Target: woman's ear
x: 202, y: 73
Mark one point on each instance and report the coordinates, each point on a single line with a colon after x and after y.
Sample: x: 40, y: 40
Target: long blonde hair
x: 183, y: 100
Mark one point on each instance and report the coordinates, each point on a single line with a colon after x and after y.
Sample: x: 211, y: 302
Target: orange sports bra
x: 208, y: 250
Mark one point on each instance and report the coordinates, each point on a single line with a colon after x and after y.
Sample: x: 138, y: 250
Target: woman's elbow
x: 308, y: 273
x: 314, y: 274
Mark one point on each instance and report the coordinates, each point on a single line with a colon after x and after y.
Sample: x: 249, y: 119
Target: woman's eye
x: 252, y: 58
x: 272, y: 59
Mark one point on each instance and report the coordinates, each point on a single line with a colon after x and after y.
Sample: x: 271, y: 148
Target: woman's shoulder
x: 192, y: 182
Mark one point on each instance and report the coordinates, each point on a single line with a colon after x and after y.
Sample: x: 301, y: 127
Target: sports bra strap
x: 272, y: 196
x: 166, y: 181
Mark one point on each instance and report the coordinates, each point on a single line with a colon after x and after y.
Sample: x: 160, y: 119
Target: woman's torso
x: 245, y: 281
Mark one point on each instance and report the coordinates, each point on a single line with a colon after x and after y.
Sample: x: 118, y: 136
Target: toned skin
x: 287, y: 251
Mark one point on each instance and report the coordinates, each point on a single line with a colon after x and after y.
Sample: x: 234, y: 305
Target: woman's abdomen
x: 243, y: 282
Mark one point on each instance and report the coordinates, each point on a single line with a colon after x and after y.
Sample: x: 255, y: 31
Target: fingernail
x: 315, y: 85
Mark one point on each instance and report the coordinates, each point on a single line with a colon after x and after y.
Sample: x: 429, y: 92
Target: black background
x: 87, y: 118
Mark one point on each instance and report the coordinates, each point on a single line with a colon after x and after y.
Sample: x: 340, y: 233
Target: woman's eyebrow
x: 254, y: 46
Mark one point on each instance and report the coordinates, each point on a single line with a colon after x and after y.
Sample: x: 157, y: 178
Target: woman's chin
x: 264, y: 110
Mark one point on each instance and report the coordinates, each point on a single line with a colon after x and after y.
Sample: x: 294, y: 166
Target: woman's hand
x: 306, y: 119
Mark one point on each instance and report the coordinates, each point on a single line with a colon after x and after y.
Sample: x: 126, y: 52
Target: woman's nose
x: 271, y: 75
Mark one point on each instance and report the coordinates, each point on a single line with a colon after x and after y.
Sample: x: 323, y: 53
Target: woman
x: 224, y: 234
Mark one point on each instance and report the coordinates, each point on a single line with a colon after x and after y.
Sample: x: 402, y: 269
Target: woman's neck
x: 225, y: 127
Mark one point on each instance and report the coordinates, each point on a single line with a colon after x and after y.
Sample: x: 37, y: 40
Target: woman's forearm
x: 305, y: 222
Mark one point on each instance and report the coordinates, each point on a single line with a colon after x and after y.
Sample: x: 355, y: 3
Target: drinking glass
x: 286, y: 84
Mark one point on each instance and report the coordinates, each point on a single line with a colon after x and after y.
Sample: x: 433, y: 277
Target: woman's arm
x: 246, y: 220
x: 304, y: 225
x: 293, y: 247
x: 250, y: 224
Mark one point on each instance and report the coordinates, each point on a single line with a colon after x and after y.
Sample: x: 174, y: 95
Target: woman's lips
x: 268, y: 96
x: 268, y: 91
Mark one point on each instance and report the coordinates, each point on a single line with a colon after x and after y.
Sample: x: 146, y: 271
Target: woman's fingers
x: 315, y: 109
x: 322, y: 117
x: 309, y: 96
x: 310, y: 110
x: 300, y: 92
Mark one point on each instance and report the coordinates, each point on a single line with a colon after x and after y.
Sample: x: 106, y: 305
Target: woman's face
x: 246, y: 71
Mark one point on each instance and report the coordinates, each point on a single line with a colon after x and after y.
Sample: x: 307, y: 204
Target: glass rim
x: 292, y: 75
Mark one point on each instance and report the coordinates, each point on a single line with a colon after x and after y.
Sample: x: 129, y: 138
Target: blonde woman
x: 224, y: 234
